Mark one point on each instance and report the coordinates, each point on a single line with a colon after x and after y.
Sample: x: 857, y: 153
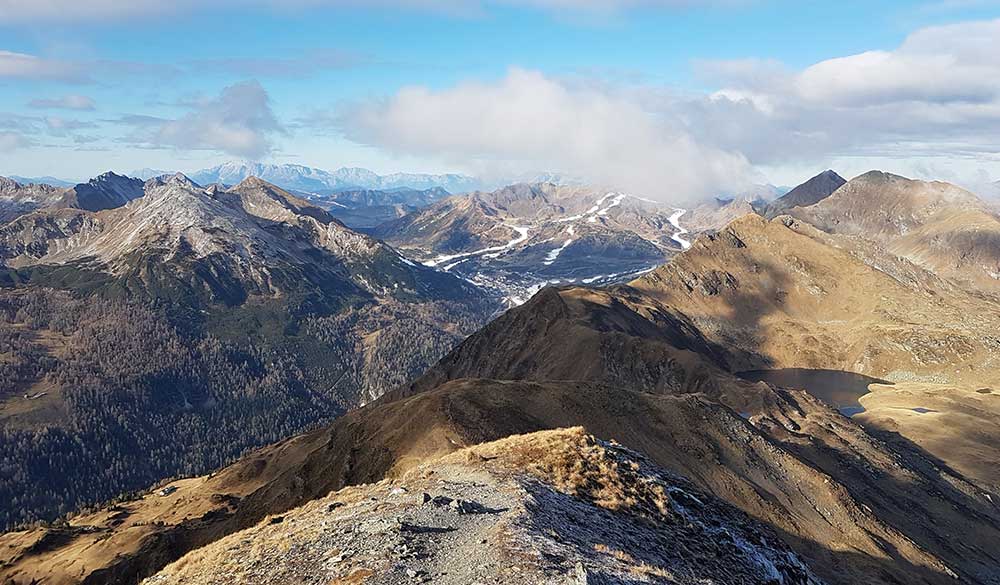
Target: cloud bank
x: 66, y: 102
x: 528, y: 120
x: 23, y: 66
x: 10, y: 141
x: 937, y: 93
x: 238, y: 122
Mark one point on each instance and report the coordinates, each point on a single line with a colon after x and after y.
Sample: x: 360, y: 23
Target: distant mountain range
x: 46, y: 180
x: 522, y: 237
x: 311, y: 180
x: 365, y: 209
x: 835, y: 365
x: 869, y: 303
x: 240, y: 314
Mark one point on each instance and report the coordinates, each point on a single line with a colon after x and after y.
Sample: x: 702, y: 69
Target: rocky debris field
x: 555, y: 507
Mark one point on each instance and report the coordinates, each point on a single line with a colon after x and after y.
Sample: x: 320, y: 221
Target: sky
x: 678, y: 99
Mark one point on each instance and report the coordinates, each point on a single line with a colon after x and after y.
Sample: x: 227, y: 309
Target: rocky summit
x: 550, y: 507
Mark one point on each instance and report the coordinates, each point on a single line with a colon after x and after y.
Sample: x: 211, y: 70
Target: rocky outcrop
x: 550, y: 507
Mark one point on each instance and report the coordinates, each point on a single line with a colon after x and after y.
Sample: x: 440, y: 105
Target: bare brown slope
x: 811, y: 192
x: 715, y: 215
x: 962, y: 244
x: 792, y: 296
x: 758, y: 294
x: 881, y: 205
x: 789, y: 295
x: 862, y: 494
x: 937, y: 225
x: 776, y: 294
x: 615, y: 336
x: 959, y: 424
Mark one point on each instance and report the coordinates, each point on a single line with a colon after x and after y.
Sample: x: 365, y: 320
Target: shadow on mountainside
x: 629, y: 365
x: 572, y: 334
x: 731, y: 298
x: 751, y: 467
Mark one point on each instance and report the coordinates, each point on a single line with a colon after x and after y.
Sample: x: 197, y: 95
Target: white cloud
x: 238, y: 122
x: 24, y: 66
x: 66, y: 102
x: 955, y: 63
x: 58, y: 126
x: 530, y: 121
x: 11, y: 141
x: 936, y: 95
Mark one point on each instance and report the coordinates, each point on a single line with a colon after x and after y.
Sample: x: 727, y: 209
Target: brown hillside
x: 800, y: 468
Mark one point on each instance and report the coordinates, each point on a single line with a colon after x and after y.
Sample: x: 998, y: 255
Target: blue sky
x: 91, y: 85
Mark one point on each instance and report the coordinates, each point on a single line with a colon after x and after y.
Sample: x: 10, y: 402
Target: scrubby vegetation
x: 100, y: 397
x: 384, y: 346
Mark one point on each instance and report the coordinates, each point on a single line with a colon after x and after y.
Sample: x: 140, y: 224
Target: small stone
x: 411, y: 573
x: 441, y: 501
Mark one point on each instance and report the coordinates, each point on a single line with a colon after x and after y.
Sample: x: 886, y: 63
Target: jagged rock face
x: 548, y: 507
x: 255, y: 237
x: 107, y: 191
x: 276, y: 313
x: 809, y: 193
x: 209, y: 251
x: 519, y: 238
x: 17, y: 199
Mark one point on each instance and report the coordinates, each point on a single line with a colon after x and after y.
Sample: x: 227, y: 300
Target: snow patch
x: 522, y: 236
x: 552, y: 255
x: 678, y: 236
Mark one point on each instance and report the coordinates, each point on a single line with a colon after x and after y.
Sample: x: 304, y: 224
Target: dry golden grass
x: 638, y: 569
x: 574, y: 463
x: 958, y: 424
x: 355, y: 578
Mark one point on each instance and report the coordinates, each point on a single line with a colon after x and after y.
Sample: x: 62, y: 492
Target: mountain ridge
x: 251, y: 295
x: 937, y: 225
x: 518, y: 238
x: 308, y: 179
x: 808, y: 193
x: 658, y: 364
